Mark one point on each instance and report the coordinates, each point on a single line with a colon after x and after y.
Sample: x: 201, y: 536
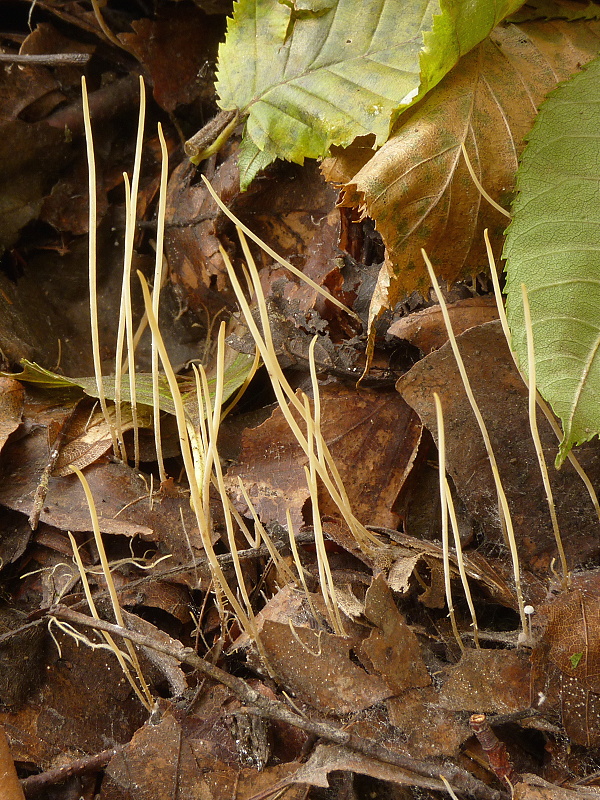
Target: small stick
x: 42, y: 487
x: 46, y: 59
x: 36, y: 783
x: 202, y: 144
x: 494, y: 749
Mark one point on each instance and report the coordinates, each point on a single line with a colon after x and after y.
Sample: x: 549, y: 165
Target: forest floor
x: 327, y: 666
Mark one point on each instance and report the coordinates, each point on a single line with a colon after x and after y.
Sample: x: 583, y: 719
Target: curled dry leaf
x: 427, y: 331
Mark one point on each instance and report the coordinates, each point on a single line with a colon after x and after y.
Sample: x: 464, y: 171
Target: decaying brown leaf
x: 567, y: 658
x: 176, y: 48
x: 121, y: 495
x: 391, y: 649
x: 502, y: 399
x: 329, y: 758
x: 427, y: 331
x: 491, y: 681
x: 316, y: 665
x: 417, y: 187
x: 372, y: 439
x: 12, y: 399
x: 535, y: 788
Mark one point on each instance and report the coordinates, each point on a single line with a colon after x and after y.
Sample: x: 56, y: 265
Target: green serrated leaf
x: 251, y: 161
x: 308, y: 81
x: 553, y: 247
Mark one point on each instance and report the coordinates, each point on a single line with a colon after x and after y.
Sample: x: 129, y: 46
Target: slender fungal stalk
x: 535, y: 435
x: 202, y: 513
x: 158, y: 278
x: 109, y: 580
x: 480, y: 188
x: 325, y: 576
x: 298, y: 562
x: 282, y: 389
x: 461, y: 564
x: 92, y: 225
x: 128, y: 256
x: 502, y: 501
x: 444, y: 511
x: 112, y: 645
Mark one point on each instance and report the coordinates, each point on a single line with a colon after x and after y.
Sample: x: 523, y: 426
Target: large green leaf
x: 553, y: 247
x: 312, y: 74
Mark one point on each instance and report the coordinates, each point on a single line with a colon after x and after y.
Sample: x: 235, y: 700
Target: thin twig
x: 34, y: 784
x: 46, y: 59
x: 461, y: 780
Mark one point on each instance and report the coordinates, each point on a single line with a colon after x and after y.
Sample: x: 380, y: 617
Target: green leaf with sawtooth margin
x: 310, y: 75
x: 553, y: 247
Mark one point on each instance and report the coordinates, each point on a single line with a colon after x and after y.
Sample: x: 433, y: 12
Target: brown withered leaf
x: 535, y: 788
x: 161, y: 760
x: 294, y: 214
x: 502, y: 399
x: 317, y: 666
x: 176, y: 48
x: 567, y: 657
x: 573, y: 630
x: 121, y: 495
x: 83, y: 705
x: 427, y: 331
x: 491, y: 681
x: 417, y: 187
x: 89, y: 437
x: 392, y: 649
x: 12, y: 399
x: 429, y: 730
x: 372, y: 439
